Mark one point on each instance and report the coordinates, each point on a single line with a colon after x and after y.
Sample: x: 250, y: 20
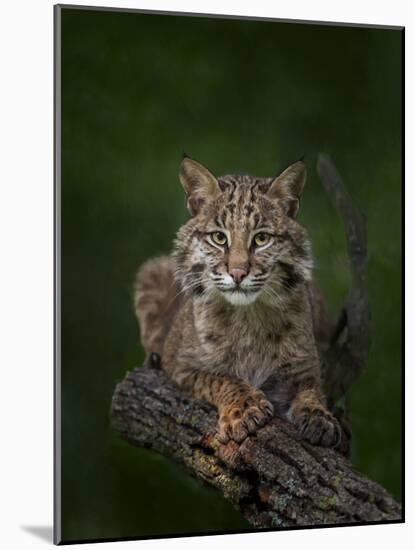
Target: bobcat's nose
x: 237, y: 274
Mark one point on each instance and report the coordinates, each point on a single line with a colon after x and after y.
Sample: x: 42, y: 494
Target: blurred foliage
x: 240, y: 96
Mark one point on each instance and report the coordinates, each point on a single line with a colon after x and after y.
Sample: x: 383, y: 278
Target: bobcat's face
x: 242, y: 243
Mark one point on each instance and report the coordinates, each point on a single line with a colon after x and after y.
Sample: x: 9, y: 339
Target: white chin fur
x: 237, y: 298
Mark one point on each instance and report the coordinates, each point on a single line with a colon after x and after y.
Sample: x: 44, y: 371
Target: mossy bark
x: 274, y: 478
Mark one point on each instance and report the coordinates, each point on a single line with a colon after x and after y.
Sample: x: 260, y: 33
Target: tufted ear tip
x: 288, y: 186
x: 296, y: 171
x: 199, y: 184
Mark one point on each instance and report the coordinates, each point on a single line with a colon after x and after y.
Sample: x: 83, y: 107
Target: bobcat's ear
x: 288, y: 186
x: 199, y: 183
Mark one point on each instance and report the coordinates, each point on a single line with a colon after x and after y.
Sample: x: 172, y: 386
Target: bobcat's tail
x: 155, y: 301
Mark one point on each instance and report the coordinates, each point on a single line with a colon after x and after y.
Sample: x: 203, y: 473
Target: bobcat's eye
x: 262, y: 239
x: 219, y: 238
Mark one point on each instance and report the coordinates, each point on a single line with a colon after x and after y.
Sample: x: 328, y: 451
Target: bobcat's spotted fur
x: 232, y: 312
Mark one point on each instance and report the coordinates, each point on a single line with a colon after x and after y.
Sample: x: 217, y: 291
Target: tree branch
x: 274, y: 478
x: 347, y: 354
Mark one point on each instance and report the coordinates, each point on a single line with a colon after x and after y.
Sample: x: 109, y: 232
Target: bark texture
x: 274, y: 478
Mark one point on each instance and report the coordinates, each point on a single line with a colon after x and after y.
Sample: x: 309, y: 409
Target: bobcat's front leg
x: 242, y: 413
x: 242, y: 408
x: 313, y: 420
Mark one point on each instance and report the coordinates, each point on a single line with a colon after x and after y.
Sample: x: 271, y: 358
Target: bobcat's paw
x: 318, y: 426
x: 244, y: 417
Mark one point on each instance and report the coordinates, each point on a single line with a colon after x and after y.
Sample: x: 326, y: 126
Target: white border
x: 26, y: 173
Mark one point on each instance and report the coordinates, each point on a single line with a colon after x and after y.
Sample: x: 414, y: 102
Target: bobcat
x: 233, y: 312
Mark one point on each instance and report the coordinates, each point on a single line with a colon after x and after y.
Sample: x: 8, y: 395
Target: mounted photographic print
x: 228, y: 201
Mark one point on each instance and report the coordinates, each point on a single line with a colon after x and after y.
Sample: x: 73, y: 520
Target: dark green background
x: 243, y: 96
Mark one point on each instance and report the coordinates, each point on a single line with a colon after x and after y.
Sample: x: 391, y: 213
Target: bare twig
x: 346, y: 357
